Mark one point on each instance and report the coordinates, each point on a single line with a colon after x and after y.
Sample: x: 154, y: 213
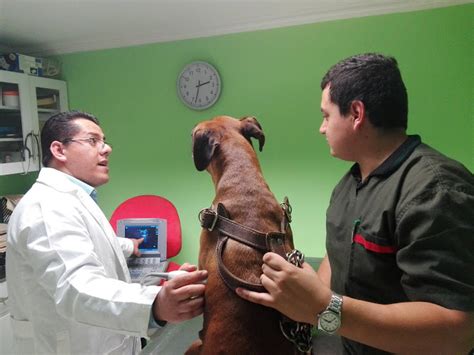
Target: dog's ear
x: 252, y: 129
x: 204, y: 146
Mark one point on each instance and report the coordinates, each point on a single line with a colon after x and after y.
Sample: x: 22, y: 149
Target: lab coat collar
x: 58, y: 180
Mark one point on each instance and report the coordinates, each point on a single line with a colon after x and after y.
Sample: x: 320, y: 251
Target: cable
x: 154, y: 278
x: 34, y: 144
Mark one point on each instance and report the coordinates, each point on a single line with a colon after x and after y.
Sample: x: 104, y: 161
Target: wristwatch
x: 329, y: 320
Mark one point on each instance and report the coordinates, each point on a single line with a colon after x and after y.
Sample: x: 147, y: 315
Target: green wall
x: 273, y: 75
x: 17, y: 183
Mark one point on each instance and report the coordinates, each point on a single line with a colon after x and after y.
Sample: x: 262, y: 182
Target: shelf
x: 9, y: 108
x: 47, y: 110
x: 11, y: 139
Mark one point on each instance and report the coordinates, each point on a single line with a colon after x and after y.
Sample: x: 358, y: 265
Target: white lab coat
x: 68, y: 283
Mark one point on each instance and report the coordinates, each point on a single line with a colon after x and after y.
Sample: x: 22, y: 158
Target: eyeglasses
x: 94, y: 142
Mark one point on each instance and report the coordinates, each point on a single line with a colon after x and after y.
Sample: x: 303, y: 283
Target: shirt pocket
x: 373, y: 273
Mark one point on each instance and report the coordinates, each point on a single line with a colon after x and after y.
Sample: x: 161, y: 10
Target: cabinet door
x: 49, y: 96
x: 15, y: 123
x: 20, y: 124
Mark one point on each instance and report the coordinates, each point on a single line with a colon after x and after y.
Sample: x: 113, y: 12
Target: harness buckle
x: 201, y: 217
x: 285, y: 205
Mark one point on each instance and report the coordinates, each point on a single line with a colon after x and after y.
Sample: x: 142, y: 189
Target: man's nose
x: 322, y: 128
x: 106, y: 150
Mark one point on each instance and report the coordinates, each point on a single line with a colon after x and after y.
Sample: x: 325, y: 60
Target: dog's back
x: 232, y: 325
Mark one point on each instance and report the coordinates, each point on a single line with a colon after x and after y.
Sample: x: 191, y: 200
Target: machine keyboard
x: 143, y: 261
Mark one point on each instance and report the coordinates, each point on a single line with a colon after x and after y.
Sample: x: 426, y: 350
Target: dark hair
x: 375, y: 80
x: 59, y: 127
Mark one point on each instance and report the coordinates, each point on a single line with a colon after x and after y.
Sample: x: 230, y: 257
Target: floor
x: 174, y: 339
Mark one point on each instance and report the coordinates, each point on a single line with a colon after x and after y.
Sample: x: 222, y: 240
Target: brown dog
x: 232, y: 325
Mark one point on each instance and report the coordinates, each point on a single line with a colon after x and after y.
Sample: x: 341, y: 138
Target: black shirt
x: 406, y: 233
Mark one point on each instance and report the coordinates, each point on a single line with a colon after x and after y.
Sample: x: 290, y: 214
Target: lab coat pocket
x: 24, y: 336
x: 118, y: 344
x: 63, y: 344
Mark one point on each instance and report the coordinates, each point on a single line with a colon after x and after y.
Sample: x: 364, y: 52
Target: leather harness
x: 297, y: 333
x: 272, y: 241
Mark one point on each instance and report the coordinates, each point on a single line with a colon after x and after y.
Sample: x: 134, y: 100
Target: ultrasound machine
x: 153, y: 248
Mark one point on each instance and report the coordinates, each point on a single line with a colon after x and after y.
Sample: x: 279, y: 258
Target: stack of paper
x: 3, y: 237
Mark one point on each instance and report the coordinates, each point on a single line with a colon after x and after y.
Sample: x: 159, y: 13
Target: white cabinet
x: 26, y: 102
x: 6, y: 334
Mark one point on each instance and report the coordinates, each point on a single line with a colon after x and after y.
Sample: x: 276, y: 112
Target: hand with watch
x: 298, y: 293
x: 329, y: 320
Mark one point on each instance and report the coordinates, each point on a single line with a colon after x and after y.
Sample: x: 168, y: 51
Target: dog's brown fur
x: 231, y: 325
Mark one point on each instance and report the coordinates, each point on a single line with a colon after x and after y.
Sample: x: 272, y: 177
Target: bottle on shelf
x: 11, y: 98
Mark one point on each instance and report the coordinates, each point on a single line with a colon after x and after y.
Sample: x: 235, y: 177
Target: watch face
x: 199, y: 85
x: 329, y: 321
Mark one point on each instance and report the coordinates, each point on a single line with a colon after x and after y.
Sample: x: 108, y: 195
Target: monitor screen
x: 148, y: 233
x: 152, y: 230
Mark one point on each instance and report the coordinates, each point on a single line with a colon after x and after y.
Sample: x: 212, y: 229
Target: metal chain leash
x: 295, y: 257
x: 296, y: 332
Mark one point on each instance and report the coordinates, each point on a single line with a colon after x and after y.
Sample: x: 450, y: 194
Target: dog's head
x: 209, y: 135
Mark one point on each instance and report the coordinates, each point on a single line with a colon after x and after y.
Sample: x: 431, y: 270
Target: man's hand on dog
x: 181, y: 298
x: 296, y: 292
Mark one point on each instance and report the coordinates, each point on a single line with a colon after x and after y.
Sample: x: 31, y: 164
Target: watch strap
x: 335, y: 304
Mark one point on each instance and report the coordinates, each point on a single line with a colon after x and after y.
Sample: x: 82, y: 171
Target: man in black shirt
x: 398, y: 274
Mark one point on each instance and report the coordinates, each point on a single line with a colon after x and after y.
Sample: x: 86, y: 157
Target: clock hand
x: 201, y: 84
x: 197, y: 92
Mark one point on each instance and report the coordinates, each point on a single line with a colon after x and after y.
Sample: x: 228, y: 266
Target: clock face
x: 329, y: 321
x: 199, y: 85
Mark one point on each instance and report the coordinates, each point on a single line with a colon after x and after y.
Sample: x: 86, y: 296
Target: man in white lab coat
x: 68, y: 283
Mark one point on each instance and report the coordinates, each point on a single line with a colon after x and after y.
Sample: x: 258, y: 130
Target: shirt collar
x: 393, y: 161
x: 86, y: 187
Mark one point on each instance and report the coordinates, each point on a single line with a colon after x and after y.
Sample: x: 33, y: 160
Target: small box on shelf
x: 22, y: 63
x: 47, y: 101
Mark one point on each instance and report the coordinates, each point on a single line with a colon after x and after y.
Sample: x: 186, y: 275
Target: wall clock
x: 199, y: 85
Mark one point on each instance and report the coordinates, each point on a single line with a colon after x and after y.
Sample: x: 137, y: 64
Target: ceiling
x: 46, y: 27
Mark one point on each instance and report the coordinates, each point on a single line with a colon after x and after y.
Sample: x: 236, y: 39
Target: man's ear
x: 358, y: 113
x: 57, y: 151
